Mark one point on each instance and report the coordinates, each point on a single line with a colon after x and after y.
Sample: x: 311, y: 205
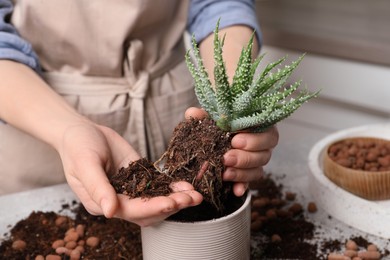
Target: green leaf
x: 243, y: 75
x: 251, y: 121
x: 283, y: 111
x: 248, y: 103
x: 222, y: 87
x: 203, y: 88
x: 267, y: 82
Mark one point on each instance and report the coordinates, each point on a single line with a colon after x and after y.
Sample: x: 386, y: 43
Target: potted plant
x: 250, y: 103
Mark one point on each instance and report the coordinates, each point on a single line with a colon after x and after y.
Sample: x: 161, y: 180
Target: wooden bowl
x: 360, y: 165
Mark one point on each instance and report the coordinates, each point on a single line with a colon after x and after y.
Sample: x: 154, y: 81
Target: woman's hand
x: 250, y: 152
x: 89, y: 152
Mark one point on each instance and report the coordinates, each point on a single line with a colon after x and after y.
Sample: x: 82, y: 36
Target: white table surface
x: 289, y: 166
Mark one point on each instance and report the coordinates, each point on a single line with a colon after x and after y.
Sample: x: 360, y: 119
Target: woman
x: 87, y: 87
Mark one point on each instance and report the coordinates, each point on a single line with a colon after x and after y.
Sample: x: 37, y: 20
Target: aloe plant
x: 251, y: 102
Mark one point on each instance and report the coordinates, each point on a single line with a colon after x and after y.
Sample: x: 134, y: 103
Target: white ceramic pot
x: 224, y: 238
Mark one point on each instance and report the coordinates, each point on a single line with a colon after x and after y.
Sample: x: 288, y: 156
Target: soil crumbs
x: 49, y: 235
x: 194, y: 154
x: 279, y: 231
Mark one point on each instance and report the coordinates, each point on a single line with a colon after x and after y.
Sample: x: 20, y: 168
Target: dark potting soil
x: 117, y: 239
x: 194, y: 154
x: 284, y: 233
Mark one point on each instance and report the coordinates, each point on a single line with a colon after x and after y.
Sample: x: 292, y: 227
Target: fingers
x: 256, y: 141
x: 245, y: 166
x: 249, y: 153
x: 97, y: 188
x: 122, y: 153
x: 195, y: 112
x: 90, y: 205
x: 240, y: 188
x: 242, y: 159
x: 243, y: 175
x: 145, y: 212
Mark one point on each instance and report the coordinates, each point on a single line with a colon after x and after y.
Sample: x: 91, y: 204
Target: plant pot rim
x: 226, y: 237
x: 247, y: 200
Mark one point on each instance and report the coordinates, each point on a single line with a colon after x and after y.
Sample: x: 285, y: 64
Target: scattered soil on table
x: 280, y: 229
x: 283, y: 233
x: 194, y: 154
x: 99, y: 238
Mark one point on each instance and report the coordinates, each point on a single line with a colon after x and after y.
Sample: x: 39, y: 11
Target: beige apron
x: 120, y: 63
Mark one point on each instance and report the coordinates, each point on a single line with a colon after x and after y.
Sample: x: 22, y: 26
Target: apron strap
x: 139, y: 82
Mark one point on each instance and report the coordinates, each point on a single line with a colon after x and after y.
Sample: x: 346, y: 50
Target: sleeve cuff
x: 203, y: 17
x: 15, y: 48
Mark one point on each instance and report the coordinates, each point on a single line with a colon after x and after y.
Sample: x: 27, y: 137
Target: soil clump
x: 194, y: 154
x: 116, y: 239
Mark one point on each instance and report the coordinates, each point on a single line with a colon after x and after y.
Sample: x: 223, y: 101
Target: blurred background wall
x: 347, y: 46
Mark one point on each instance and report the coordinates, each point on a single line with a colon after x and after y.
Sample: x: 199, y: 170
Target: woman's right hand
x: 89, y: 153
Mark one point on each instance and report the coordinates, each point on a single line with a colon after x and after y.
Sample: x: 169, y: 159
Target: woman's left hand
x: 249, y: 153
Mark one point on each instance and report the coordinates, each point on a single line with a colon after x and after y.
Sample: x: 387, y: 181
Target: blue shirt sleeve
x: 12, y: 46
x: 204, y: 14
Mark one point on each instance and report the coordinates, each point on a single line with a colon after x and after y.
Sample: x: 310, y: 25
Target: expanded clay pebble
x: 311, y: 207
x: 254, y: 215
x: 259, y: 203
x: 277, y: 202
x: 361, y: 154
x: 93, y: 241
x: 80, y: 229
x: 80, y: 249
x: 369, y: 255
x: 60, y: 220
x: 335, y: 256
x: 351, y: 245
x: 256, y: 225
x: 71, y: 235
x: 39, y: 257
x: 271, y: 213
x: 71, y: 245
x: 295, y: 208
x: 290, y: 196
x: 75, y: 254
x: 350, y: 253
x: 58, y: 243
x: 19, y: 245
x: 53, y: 257
x: 283, y: 213
x: 276, y: 238
x: 62, y: 250
x: 372, y: 247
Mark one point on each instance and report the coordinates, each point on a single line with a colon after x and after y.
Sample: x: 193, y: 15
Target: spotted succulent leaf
x: 244, y: 73
x: 224, y: 100
x: 203, y: 88
x: 259, y: 103
x: 250, y: 103
x: 285, y: 110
